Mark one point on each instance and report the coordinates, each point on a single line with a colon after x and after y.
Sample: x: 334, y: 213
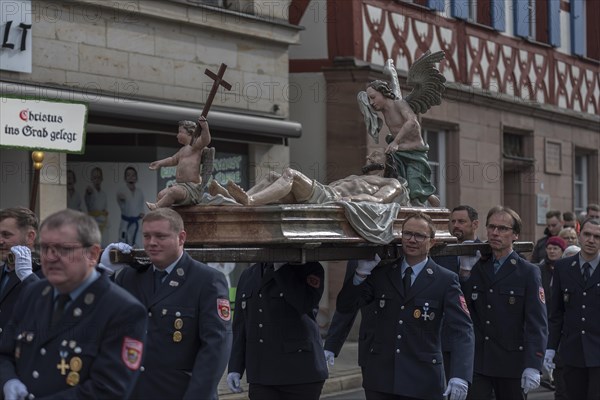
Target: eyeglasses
x: 419, y: 237
x: 501, y: 228
x: 60, y: 250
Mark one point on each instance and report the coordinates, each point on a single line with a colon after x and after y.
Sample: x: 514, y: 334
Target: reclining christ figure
x: 378, y: 184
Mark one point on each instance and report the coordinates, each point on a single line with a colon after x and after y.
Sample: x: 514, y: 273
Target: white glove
x: 233, y: 382
x: 530, y: 380
x: 105, y: 258
x: 366, y: 266
x: 22, y: 261
x: 14, y: 389
x: 457, y: 389
x: 329, y: 357
x: 467, y: 262
x: 549, y: 360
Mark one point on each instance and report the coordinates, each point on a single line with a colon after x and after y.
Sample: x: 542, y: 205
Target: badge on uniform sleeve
x: 131, y: 353
x: 313, y: 281
x: 463, y: 304
x: 224, y: 309
x: 542, y: 295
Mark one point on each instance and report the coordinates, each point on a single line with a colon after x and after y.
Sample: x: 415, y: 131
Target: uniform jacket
x: 99, y: 342
x: 400, y: 341
x: 10, y: 294
x: 341, y: 323
x: 509, y: 316
x: 574, y: 311
x: 189, y: 330
x: 276, y: 336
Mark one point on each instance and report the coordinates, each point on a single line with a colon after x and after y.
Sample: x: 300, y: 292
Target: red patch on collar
x: 313, y: 281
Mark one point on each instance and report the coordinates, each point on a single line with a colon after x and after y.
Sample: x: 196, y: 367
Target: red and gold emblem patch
x: 463, y: 304
x: 224, y: 309
x: 542, y: 295
x: 131, y: 353
x: 313, y: 281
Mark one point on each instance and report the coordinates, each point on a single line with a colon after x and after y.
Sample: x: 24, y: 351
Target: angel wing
x: 427, y: 82
x: 372, y: 121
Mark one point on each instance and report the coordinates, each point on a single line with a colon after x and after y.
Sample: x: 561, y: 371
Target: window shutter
x: 498, y: 11
x: 460, y: 9
x: 436, y: 4
x: 521, y: 10
x: 554, y: 22
x: 577, y: 28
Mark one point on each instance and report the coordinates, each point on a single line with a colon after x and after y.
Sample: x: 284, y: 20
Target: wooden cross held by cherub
x: 218, y: 81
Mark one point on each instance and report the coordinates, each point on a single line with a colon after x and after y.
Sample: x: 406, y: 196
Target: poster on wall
x: 114, y: 194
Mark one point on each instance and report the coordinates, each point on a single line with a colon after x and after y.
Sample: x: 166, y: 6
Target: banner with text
x: 42, y: 125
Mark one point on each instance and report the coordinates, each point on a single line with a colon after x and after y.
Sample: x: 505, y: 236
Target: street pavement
x: 345, y: 381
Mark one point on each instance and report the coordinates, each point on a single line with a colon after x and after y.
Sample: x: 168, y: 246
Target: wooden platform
x: 297, y: 233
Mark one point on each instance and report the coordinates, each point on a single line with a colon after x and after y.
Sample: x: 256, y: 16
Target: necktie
x: 586, y: 271
x: 497, y: 266
x: 3, y: 279
x: 59, y: 309
x: 158, y: 278
x: 407, y: 279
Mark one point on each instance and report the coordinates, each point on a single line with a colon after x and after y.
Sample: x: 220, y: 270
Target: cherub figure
x: 405, y: 142
x: 188, y: 187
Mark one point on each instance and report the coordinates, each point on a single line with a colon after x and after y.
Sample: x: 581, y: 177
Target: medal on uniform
x: 566, y: 296
x: 73, y: 378
x: 75, y: 364
x: 62, y: 366
x: 177, y: 336
x: 178, y: 323
x: 425, y: 310
x: 417, y: 314
x: 511, y: 300
x: 474, y: 296
x: 381, y: 303
x: 243, y: 304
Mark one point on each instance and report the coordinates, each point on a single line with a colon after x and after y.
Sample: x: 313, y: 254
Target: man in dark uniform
x: 406, y: 301
x: 18, y: 231
x: 276, y: 336
x: 507, y: 304
x: 74, y: 335
x: 574, y: 311
x: 462, y: 224
x: 189, y: 327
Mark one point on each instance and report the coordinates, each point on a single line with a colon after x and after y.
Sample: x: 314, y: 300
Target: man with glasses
x: 18, y: 232
x: 75, y: 334
x: 507, y: 303
x: 574, y: 311
x: 406, y: 301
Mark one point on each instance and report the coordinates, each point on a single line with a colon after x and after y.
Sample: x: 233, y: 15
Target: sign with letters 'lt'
x: 15, y: 35
x: 42, y: 124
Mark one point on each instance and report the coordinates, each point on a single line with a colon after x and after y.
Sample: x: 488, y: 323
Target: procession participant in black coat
x: 75, y: 334
x: 276, y: 335
x: 189, y: 315
x: 574, y: 310
x: 406, y: 303
x: 507, y: 303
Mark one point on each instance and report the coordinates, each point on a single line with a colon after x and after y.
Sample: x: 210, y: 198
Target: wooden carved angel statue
x: 405, y: 141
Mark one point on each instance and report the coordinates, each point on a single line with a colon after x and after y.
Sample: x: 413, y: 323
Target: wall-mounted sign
x: 42, y: 124
x: 15, y: 35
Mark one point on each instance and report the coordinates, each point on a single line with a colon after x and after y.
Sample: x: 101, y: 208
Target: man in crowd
x: 554, y: 224
x: 75, y: 334
x: 574, y: 310
x: 189, y: 327
x: 406, y: 301
x: 276, y: 335
x: 507, y: 303
x: 18, y: 233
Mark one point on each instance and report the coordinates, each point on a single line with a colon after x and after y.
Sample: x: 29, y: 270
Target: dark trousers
x: 483, y: 388
x: 582, y: 383
x: 373, y: 395
x: 303, y: 391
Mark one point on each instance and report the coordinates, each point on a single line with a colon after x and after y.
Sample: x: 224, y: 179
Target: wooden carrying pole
x: 38, y: 158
